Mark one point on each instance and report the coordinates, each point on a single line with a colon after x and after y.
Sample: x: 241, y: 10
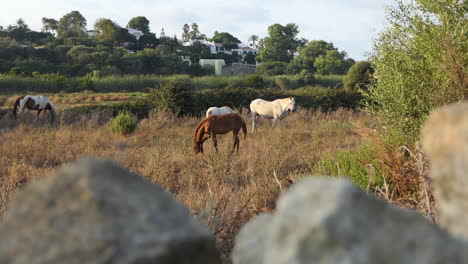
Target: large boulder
x: 331, y: 221
x: 445, y: 139
x: 97, y: 212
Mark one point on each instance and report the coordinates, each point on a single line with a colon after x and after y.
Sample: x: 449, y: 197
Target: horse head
x: 292, y: 105
x: 198, y: 147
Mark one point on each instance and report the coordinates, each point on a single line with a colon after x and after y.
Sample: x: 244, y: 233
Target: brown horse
x: 219, y: 124
x: 30, y: 102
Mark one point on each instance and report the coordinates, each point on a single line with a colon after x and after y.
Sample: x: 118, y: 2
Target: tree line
x: 65, y: 46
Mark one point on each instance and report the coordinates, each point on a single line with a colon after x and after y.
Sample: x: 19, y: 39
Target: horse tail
x: 52, y: 112
x: 17, y: 103
x: 244, y: 129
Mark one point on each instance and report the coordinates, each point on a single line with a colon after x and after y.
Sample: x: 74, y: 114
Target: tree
x: 420, y: 63
x: 195, y: 34
x: 228, y: 40
x: 20, y: 31
x: 359, y: 76
x: 280, y: 44
x: 186, y: 32
x: 332, y: 62
x: 49, y: 24
x: 249, y: 58
x: 162, y: 34
x: 110, y: 31
x: 72, y: 24
x: 253, y: 39
x: 141, y: 23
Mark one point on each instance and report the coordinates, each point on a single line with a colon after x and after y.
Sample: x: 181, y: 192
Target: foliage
x: 420, y: 63
x: 72, y: 24
x: 175, y: 96
x: 249, y: 58
x: 280, y: 44
x: 362, y: 167
x: 228, y: 40
x: 140, y: 23
x: 322, y: 57
x: 123, y: 124
x: 305, y: 78
x: 282, y: 82
x: 272, y: 68
x: 359, y: 76
x: 255, y: 81
x: 333, y: 62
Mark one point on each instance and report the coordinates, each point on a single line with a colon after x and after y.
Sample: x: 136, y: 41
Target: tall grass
x: 50, y: 83
x: 222, y: 190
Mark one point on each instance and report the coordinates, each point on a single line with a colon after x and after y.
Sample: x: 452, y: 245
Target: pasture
x: 220, y: 189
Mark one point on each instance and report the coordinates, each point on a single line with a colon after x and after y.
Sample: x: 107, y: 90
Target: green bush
x: 176, y: 96
x: 272, y: 68
x: 420, y: 63
x: 359, y: 76
x: 362, y: 167
x: 283, y: 82
x: 123, y: 124
x: 305, y: 78
x: 255, y: 81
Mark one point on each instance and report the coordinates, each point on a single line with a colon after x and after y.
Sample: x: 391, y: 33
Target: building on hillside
x: 244, y: 49
x: 92, y: 33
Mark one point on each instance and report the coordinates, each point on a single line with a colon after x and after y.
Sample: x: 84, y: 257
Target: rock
x: 97, y: 212
x: 331, y: 221
x: 445, y: 139
x: 252, y: 236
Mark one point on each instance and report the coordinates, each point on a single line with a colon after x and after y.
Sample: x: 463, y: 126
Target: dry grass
x: 222, y: 190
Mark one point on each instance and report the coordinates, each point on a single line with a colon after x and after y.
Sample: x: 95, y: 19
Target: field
x: 222, y: 190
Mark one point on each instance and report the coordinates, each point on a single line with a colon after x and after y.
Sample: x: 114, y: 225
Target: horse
x: 39, y: 103
x: 219, y: 124
x: 218, y: 110
x: 276, y: 110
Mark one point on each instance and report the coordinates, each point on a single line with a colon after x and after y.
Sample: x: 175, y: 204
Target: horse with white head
x: 218, y: 111
x: 39, y: 103
x: 277, y: 109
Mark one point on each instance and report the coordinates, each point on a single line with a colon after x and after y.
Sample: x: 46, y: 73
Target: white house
x: 135, y: 32
x: 243, y: 50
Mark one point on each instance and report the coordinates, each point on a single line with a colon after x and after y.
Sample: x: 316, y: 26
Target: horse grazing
x: 219, y: 124
x: 30, y: 102
x: 218, y: 111
x: 277, y: 109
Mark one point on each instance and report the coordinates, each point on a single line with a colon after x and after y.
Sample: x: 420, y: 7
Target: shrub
x: 176, y: 96
x: 305, y: 78
x: 283, y: 82
x: 420, y: 64
x: 123, y: 124
x: 359, y: 76
x: 272, y: 68
x: 363, y: 167
x: 255, y: 81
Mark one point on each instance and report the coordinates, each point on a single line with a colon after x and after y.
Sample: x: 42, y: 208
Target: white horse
x: 277, y: 109
x: 38, y: 103
x: 218, y: 111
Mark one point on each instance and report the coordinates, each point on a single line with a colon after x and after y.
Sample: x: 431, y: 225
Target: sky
x: 349, y: 24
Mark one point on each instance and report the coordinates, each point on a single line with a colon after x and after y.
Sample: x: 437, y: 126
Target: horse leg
x: 236, y: 141
x: 273, y: 123
x: 215, y: 141
x: 254, y: 121
x: 39, y: 112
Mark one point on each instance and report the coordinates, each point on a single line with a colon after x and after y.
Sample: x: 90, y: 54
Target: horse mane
x: 199, y: 131
x: 17, y: 103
